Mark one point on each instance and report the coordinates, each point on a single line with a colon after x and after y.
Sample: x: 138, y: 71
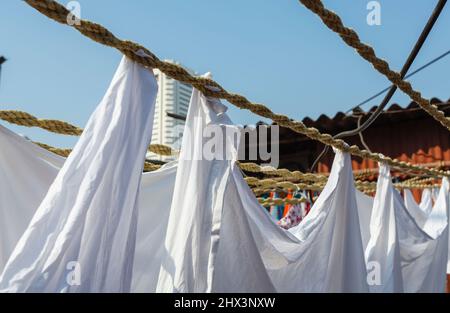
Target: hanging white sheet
x: 435, y: 219
x: 419, y: 215
x: 220, y: 239
x: 406, y: 251
x: 87, y: 221
x: 328, y: 254
x: 155, y: 198
x: 26, y: 173
x: 424, y: 264
x: 233, y: 244
x: 383, y: 249
x: 426, y: 203
x: 435, y: 194
x: 364, y: 204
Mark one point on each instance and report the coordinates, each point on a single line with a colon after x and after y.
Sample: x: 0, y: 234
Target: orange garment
x: 287, y: 206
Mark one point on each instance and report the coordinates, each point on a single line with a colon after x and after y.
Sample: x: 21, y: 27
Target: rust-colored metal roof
x: 405, y: 133
x: 395, y: 113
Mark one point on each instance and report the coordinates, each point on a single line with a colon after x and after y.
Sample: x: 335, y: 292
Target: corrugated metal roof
x: 394, y: 113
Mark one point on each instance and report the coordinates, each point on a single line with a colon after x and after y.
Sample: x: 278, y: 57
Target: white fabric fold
x: 434, y: 223
x: 220, y: 239
x: 419, y: 215
x: 155, y: 198
x: 82, y: 236
x: 426, y: 203
x: 407, y: 245
x: 425, y: 253
x: 26, y: 173
x: 365, y: 204
x: 383, y: 249
x: 198, y: 226
x: 329, y: 256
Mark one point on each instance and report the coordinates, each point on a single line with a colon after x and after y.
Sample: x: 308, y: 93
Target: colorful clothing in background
x: 276, y: 210
x: 296, y: 212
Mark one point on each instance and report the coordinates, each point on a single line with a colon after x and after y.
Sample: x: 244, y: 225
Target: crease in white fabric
x: 89, y: 214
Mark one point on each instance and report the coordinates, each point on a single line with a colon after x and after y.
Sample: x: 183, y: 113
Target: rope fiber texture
x: 59, y: 127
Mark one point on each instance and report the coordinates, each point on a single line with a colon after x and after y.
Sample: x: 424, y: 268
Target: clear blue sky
x: 274, y: 51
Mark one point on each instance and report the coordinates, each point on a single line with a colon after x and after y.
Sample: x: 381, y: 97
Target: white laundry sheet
x: 24, y: 187
x: 219, y: 239
x: 87, y: 222
x: 365, y: 205
x: 406, y: 251
x: 434, y: 194
x: 26, y: 173
x: 426, y: 203
x: 434, y: 219
x: 198, y: 226
x: 418, y: 213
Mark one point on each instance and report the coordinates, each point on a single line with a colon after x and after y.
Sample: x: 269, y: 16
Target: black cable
x: 407, y: 76
x: 415, y: 51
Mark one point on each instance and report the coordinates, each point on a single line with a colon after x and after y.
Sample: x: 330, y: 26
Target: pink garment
x: 295, y: 215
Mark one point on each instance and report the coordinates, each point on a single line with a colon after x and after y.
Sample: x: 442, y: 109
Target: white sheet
x: 419, y: 215
x: 424, y: 261
x: 89, y: 214
x: 198, y: 221
x: 227, y: 243
x: 222, y: 239
x: 383, y: 248
x: 435, y: 194
x: 364, y: 204
x: 435, y: 219
x: 26, y: 173
x: 406, y: 250
x: 426, y: 202
x: 155, y: 198
x: 24, y: 187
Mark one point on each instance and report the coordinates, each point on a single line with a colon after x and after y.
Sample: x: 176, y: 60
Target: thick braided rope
x: 272, y: 184
x: 250, y: 167
x: 63, y: 128
x: 270, y: 202
x: 255, y: 168
x: 148, y: 166
x: 28, y: 120
x: 62, y: 152
x: 284, y: 185
x: 161, y: 149
x: 364, y: 173
x: 351, y: 38
x: 297, y: 175
x: 209, y: 87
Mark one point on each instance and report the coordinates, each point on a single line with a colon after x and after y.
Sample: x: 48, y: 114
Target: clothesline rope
x: 208, y: 87
x: 148, y: 165
x: 261, y: 186
x: 28, y: 120
x: 305, y: 178
x: 269, y: 202
x: 351, y: 38
x: 60, y: 127
x: 255, y: 168
x: 266, y: 185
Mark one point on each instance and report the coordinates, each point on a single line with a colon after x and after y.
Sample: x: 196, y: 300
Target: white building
x: 173, y: 97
